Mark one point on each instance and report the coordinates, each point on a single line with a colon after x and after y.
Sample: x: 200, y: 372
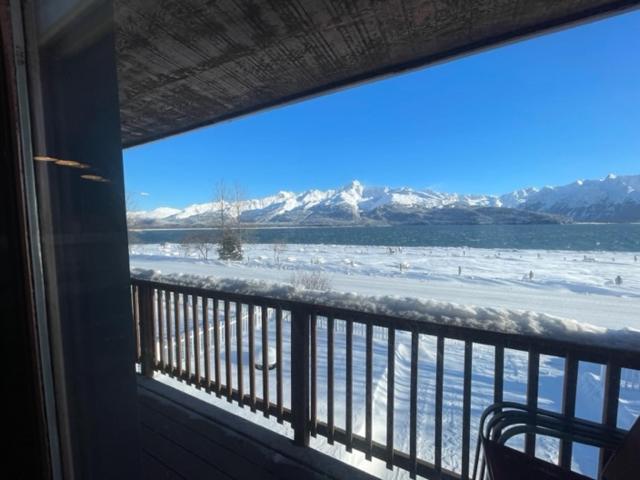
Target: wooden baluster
x: 413, y: 407
x: 147, y: 340
x: 532, y: 396
x: 265, y: 359
x: 196, y: 340
x: 300, y: 376
x: 280, y: 365
x: 227, y: 350
x: 391, y: 370
x: 330, y: 419
x: 176, y: 309
x: 160, y: 316
x: 207, y: 343
x: 167, y: 306
x: 216, y: 346
x: 349, y: 386
x: 569, y: 388
x: 609, y: 407
x: 252, y: 358
x: 239, y: 353
x: 466, y: 407
x: 187, y: 341
x: 314, y: 374
x: 368, y: 390
x: 439, y: 391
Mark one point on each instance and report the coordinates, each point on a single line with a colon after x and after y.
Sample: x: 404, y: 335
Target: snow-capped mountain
x: 157, y: 214
x: 612, y: 199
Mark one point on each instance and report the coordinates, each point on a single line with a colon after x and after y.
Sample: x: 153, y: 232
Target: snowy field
x: 572, y: 285
x: 576, y: 285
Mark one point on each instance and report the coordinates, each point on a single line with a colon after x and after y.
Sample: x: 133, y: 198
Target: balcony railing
x: 199, y: 336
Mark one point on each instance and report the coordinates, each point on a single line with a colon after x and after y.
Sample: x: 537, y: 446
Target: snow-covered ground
x: 576, y: 285
x: 573, y: 285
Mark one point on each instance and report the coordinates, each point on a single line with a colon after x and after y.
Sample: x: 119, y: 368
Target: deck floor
x: 183, y: 437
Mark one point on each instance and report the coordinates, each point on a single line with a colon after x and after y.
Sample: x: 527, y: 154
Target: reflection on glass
x: 71, y: 163
x: 44, y: 158
x: 94, y: 178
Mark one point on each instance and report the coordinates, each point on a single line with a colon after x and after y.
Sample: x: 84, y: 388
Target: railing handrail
x: 586, y: 351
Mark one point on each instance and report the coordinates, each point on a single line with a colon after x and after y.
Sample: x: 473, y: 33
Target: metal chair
x: 504, y: 420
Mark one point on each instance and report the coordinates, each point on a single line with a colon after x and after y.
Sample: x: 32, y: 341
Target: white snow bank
x: 503, y: 320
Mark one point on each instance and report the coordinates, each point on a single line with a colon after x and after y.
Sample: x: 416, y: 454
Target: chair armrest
x: 504, y: 420
x: 506, y: 414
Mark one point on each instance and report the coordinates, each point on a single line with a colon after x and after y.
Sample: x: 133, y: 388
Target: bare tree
x: 238, y: 198
x: 200, y: 243
x: 220, y: 202
x: 230, y: 242
x: 185, y: 248
x: 278, y: 248
x: 203, y: 250
x: 131, y: 206
x: 130, y: 201
x: 314, y: 280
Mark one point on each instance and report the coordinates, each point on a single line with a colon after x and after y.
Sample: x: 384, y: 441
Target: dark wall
x: 84, y: 240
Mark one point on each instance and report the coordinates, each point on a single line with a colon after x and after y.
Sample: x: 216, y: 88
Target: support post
x: 610, y: 407
x: 145, y: 297
x: 300, y: 376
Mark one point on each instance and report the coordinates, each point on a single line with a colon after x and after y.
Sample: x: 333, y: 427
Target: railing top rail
x: 437, y: 326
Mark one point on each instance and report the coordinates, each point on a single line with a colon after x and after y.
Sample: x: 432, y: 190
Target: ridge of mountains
x: 613, y: 199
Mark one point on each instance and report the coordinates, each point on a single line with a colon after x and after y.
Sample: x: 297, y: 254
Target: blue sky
x: 541, y: 112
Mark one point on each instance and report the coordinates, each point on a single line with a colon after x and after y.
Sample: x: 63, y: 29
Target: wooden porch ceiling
x: 188, y: 63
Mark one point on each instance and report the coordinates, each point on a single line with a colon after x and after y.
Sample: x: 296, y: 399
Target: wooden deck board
x: 218, y: 454
x: 184, y: 437
x: 154, y: 469
x: 179, y: 459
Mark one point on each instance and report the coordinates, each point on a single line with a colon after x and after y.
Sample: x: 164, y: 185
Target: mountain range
x: 611, y: 199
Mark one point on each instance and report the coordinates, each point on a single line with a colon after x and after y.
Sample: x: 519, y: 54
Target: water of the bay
x: 605, y: 237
